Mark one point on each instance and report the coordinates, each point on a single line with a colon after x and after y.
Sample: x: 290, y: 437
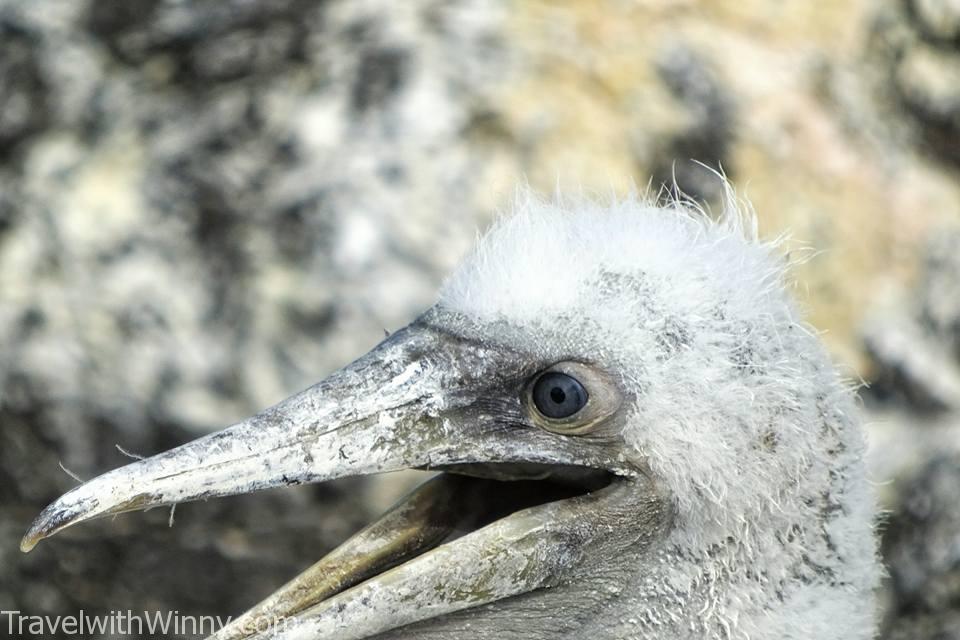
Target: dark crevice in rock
x: 708, y: 138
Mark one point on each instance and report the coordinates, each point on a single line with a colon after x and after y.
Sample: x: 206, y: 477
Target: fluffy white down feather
x: 736, y: 407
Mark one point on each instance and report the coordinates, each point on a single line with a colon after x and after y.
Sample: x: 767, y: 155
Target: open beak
x: 423, y: 399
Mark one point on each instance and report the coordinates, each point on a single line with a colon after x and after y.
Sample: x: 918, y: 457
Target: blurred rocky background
x: 207, y: 205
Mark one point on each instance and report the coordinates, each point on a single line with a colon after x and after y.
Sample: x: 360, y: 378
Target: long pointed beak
x: 385, y: 412
x: 424, y: 398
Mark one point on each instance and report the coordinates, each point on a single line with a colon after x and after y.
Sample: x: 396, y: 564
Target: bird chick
x: 637, y: 437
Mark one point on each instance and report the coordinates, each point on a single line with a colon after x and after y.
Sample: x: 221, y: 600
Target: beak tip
x: 55, y: 517
x: 40, y: 529
x: 29, y: 542
x: 37, y: 532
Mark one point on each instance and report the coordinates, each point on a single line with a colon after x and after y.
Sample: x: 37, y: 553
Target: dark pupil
x: 557, y: 395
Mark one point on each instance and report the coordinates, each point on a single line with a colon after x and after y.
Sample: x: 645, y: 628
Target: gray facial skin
x: 531, y: 530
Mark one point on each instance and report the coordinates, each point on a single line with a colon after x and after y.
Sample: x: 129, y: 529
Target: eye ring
x: 590, y: 397
x: 557, y: 395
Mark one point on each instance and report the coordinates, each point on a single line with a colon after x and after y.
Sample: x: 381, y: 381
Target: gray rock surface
x: 916, y: 347
x: 922, y: 551
x: 916, y: 342
x: 208, y: 205
x: 205, y: 207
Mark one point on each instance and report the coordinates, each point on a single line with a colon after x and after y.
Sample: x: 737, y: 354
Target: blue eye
x: 557, y: 395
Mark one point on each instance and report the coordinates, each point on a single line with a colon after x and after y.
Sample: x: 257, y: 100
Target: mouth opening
x: 499, y: 490
x: 460, y: 500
